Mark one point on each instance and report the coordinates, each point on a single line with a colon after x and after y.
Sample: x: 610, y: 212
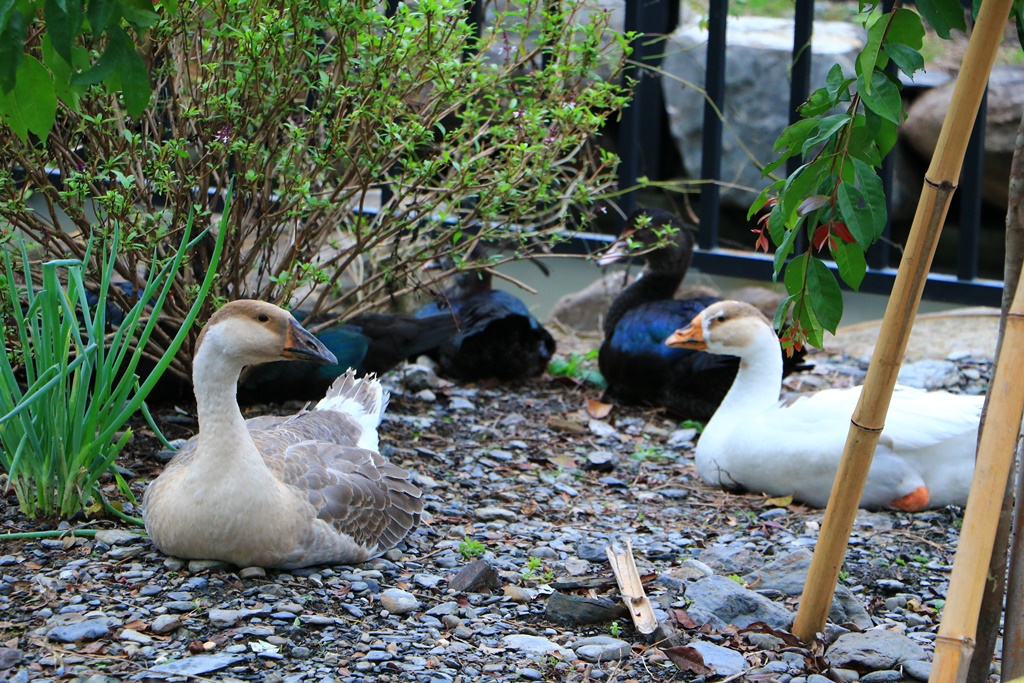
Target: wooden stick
x: 632, y: 588
x: 955, y: 639
x: 869, y: 416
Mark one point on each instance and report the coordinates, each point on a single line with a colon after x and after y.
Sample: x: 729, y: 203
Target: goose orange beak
x: 689, y: 337
x: 300, y: 344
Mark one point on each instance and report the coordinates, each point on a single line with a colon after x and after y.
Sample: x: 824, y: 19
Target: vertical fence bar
x: 800, y: 82
x: 878, y: 253
x: 711, y: 151
x: 970, y: 198
x: 629, y: 126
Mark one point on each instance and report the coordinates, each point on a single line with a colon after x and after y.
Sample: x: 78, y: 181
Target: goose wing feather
x: 353, y: 489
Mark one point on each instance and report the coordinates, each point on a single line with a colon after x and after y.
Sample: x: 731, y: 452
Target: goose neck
x: 221, y: 425
x: 759, y: 378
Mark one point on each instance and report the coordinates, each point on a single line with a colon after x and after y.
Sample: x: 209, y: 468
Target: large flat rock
x: 970, y: 331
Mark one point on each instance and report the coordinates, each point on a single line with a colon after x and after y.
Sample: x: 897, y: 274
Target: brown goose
x: 272, y: 491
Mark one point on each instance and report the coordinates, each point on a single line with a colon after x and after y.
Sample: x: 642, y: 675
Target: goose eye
x: 263, y: 317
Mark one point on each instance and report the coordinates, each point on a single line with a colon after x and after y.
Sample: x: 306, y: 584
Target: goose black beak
x: 690, y: 337
x: 618, y: 251
x: 299, y: 344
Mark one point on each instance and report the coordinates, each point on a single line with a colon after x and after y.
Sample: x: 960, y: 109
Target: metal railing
x: 640, y: 147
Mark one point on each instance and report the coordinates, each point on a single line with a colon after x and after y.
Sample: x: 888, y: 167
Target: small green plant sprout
x: 651, y: 452
x: 532, y: 565
x: 923, y: 559
x: 578, y: 368
x: 738, y: 579
x: 470, y: 548
x: 692, y: 424
x: 844, y: 575
x: 901, y: 562
x: 615, y: 629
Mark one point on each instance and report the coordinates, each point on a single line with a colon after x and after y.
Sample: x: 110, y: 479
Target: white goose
x: 273, y: 491
x: 924, y: 458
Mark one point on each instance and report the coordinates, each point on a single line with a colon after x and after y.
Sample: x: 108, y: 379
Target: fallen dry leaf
x: 683, y: 618
x: 597, y: 409
x: 688, y: 659
x: 779, y: 501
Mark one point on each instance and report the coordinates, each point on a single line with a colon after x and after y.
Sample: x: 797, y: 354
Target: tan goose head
x: 247, y: 332
x: 730, y: 328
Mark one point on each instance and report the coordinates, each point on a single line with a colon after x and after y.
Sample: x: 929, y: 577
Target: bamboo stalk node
x: 865, y: 428
x: 947, y: 186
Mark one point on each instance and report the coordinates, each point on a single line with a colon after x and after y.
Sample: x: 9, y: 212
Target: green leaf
x: 826, y: 129
x: 171, y: 5
x: 100, y: 14
x: 863, y: 209
x: 871, y: 186
x: 943, y: 15
x: 783, y: 251
x: 907, y: 59
x: 804, y: 312
x: 862, y: 145
x: 869, y: 55
x: 134, y: 83
x: 109, y: 62
x: 792, y: 139
x: 825, y: 295
x: 32, y: 105
x: 796, y: 276
x: 139, y: 13
x: 905, y: 29
x: 62, y: 73
x: 12, y: 43
x: 851, y: 262
x: 63, y: 22
x: 803, y: 182
x: 881, y: 131
x: 883, y: 96
x: 819, y: 102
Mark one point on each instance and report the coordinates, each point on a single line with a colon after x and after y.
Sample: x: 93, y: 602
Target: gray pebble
x: 398, y: 601
x: 90, y: 629
x: 919, y: 670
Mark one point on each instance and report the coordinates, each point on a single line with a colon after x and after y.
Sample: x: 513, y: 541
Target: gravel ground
x: 507, y: 577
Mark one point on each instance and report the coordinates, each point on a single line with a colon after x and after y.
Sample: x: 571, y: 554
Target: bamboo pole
x: 989, y: 617
x: 995, y: 453
x: 869, y: 416
x: 1013, y: 636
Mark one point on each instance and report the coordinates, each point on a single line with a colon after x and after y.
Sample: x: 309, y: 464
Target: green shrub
x: 321, y: 112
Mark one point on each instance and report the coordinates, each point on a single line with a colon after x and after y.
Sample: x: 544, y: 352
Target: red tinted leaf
x: 820, y: 237
x: 688, y: 659
x: 842, y: 232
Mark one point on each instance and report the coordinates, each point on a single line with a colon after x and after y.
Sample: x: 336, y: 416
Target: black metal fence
x: 641, y: 145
